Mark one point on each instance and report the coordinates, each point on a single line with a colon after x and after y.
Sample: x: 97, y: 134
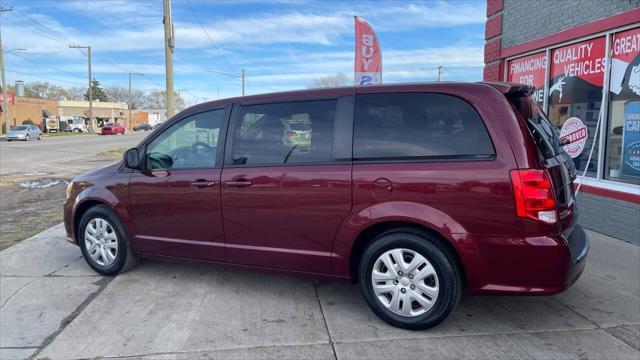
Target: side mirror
x: 131, y: 158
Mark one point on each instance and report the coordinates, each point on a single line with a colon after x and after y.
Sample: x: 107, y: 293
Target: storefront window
x: 529, y: 70
x: 622, y: 156
x: 575, y: 95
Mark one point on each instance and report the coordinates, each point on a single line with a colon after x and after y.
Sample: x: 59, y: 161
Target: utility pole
x: 235, y: 76
x: 129, y: 125
x: 439, y: 73
x: 169, y: 44
x: 5, y: 104
x: 94, y: 125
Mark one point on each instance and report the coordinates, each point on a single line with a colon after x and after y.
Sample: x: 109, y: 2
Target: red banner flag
x: 368, y: 63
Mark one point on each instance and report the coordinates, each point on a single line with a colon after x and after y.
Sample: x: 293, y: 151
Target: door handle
x: 239, y: 183
x: 202, y: 184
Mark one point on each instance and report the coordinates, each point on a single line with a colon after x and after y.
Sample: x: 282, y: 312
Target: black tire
x: 27, y: 137
x: 125, y: 259
x: 449, y: 277
x: 40, y: 137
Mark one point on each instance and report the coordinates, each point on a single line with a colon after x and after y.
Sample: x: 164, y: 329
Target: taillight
x: 534, y: 195
x: 291, y: 133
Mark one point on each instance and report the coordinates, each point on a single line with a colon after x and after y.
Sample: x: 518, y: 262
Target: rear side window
x: 418, y: 125
x: 284, y: 133
x: 543, y: 132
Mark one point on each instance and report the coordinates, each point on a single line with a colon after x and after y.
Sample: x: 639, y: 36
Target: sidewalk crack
x: 324, y: 318
x: 103, y: 282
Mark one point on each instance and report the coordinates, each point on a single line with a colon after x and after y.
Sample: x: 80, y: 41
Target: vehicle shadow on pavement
x: 53, y: 305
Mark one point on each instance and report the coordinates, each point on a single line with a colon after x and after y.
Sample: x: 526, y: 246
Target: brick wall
x: 493, y: 36
x: 528, y: 20
x: 617, y: 218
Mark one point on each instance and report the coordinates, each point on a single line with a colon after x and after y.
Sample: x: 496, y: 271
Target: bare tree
x: 157, y: 100
x: 337, y: 80
x: 44, y: 90
x: 76, y: 93
x: 58, y: 93
x: 121, y: 94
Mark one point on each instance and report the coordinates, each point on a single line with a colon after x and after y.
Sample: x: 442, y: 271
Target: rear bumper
x: 532, y: 266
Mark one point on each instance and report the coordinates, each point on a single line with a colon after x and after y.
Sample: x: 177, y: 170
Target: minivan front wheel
x: 103, y: 242
x: 408, y: 280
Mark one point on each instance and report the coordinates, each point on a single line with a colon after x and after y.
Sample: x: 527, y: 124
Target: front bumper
x: 68, y: 221
x: 532, y: 266
x: 16, y: 137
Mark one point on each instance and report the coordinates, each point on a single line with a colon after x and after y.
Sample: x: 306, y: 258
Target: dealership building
x: 583, y: 58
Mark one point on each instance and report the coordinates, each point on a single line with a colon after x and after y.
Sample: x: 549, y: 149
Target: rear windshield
x: 543, y: 132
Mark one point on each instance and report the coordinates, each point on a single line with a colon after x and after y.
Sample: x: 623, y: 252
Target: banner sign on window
x: 529, y: 70
x: 625, y: 65
x: 577, y: 72
x: 631, y: 139
x: 368, y: 60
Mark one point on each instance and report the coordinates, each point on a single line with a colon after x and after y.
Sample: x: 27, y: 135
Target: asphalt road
x: 61, y: 156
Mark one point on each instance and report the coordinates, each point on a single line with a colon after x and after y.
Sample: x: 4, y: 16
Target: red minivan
x: 416, y: 192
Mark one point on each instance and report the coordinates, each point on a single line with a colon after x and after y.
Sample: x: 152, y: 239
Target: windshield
x: 19, y: 128
x: 544, y: 134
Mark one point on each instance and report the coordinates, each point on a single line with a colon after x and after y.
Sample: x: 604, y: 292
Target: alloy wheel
x: 405, y: 282
x: 101, y: 241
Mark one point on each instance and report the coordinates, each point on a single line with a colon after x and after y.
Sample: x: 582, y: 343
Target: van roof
x: 502, y: 87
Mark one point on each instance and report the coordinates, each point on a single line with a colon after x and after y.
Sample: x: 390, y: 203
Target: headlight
x: 69, y: 187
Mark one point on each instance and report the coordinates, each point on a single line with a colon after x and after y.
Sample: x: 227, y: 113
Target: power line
x: 41, y: 30
x: 44, y: 77
x: 48, y: 30
x: 43, y: 64
x: 209, y: 37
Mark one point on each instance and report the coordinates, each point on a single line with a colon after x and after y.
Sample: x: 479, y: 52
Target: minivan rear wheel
x: 103, y: 242
x: 408, y: 280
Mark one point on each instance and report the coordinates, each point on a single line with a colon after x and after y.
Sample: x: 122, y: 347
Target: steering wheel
x: 199, y: 150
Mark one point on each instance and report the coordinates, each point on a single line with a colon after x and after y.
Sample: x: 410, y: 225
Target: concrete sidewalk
x: 53, y: 306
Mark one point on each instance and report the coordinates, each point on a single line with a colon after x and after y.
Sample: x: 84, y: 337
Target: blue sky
x: 282, y: 45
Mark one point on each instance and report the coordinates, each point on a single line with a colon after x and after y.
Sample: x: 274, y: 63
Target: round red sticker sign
x: 574, y: 130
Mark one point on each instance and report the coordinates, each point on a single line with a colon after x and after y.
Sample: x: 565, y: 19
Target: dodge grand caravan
x: 415, y: 192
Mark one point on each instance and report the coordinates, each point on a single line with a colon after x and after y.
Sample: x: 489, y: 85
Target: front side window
x: 190, y: 143
x: 284, y: 133
x: 418, y: 125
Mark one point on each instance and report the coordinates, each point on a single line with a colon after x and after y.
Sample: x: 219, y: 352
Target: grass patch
x: 113, y: 153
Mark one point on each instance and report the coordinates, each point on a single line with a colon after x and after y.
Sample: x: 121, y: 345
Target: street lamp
x: 5, y: 104
x: 130, y: 75
x: 235, y: 76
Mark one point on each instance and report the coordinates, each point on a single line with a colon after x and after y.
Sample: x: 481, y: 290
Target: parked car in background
x: 413, y: 191
x: 24, y: 132
x: 296, y: 132
x: 112, y: 129
x: 157, y: 125
x: 65, y: 127
x: 143, y: 127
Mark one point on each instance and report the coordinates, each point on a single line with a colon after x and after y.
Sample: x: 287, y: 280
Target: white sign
x: 574, y: 131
